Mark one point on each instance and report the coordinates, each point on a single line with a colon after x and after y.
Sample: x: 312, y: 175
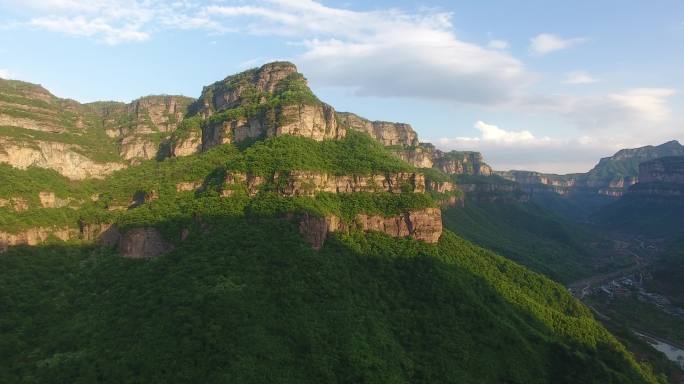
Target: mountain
x: 271, y: 241
x: 611, y: 177
x: 91, y: 140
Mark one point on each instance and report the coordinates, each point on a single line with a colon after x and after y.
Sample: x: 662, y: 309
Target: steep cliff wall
x: 424, y: 225
x: 269, y: 101
x: 389, y: 134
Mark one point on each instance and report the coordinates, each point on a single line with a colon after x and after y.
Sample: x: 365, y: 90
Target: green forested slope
x: 532, y: 236
x: 250, y: 302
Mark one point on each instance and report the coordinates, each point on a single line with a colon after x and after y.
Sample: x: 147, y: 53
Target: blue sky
x: 541, y: 85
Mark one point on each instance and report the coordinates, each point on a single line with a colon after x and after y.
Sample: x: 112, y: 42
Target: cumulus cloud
x: 546, y: 43
x: 579, y: 77
x: 385, y: 53
x: 493, y: 136
x: 5, y: 73
x: 506, y: 150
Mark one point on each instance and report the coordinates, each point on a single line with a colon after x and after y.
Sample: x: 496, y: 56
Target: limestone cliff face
x: 104, y: 233
x: 63, y: 158
x: 424, y: 225
x: 462, y: 163
x: 305, y: 120
x: 269, y: 101
x: 72, y: 141
x: 138, y: 126
x: 663, y: 170
x: 232, y: 91
x: 307, y: 183
x: 389, y: 134
x: 659, y: 179
x: 425, y: 155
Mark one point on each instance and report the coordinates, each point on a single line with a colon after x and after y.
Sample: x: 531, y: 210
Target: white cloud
x: 492, y: 135
x: 5, y: 73
x: 498, y: 44
x: 546, y: 43
x: 579, y: 77
x: 385, y: 53
x: 80, y: 26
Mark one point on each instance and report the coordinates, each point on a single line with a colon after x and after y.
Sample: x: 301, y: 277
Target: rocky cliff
x: 425, y: 155
x: 82, y: 140
x: 661, y: 178
x: 92, y: 140
x: 663, y: 170
x: 389, y: 134
x: 263, y: 102
x: 424, y: 225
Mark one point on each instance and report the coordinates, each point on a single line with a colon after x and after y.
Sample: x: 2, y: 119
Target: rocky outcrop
x: 106, y: 234
x: 189, y: 186
x: 424, y: 225
x: 17, y: 204
x: 142, y: 243
x: 421, y: 156
x: 49, y: 200
x: 63, y: 158
x: 426, y: 155
x: 389, y: 134
x: 138, y: 147
x: 36, y: 236
x: 188, y: 144
x: 308, y: 183
x: 461, y: 163
x: 659, y: 179
x: 663, y: 170
x: 230, y: 92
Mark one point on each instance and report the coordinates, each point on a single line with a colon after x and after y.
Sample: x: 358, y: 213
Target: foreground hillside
x: 250, y: 302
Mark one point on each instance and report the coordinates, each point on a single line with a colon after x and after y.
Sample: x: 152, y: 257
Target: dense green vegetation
x: 532, y: 236
x: 668, y: 272
x: 357, y: 154
x: 249, y: 301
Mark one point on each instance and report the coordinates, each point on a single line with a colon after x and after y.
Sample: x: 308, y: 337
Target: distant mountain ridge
x: 611, y: 177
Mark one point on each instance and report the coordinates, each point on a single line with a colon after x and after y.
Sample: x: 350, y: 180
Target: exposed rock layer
x: 424, y: 225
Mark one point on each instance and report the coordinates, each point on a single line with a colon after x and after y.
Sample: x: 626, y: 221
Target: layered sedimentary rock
x: 308, y: 183
x: 104, y: 233
x: 663, y: 170
x: 389, y: 134
x: 233, y: 90
x: 661, y: 178
x: 72, y: 140
x: 426, y: 155
x: 424, y: 225
x: 63, y: 158
x: 269, y: 101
